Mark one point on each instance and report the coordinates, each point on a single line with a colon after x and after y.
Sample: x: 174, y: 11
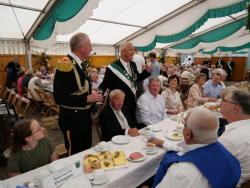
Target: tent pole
x: 28, y: 55
x: 117, y: 51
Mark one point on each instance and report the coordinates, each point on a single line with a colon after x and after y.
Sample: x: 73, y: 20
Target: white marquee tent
x: 158, y: 24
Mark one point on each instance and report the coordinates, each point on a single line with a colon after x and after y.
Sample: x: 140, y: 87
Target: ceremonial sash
x: 123, y: 75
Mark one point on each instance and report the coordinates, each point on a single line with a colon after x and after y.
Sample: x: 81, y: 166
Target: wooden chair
x: 34, y: 104
x: 52, y: 122
x: 11, y: 95
x: 5, y: 93
x: 15, y: 99
x: 22, y: 107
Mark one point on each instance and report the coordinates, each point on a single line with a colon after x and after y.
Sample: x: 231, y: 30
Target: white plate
x: 137, y: 160
x: 120, y: 139
x: 78, y: 182
x: 171, y: 137
x: 107, y: 148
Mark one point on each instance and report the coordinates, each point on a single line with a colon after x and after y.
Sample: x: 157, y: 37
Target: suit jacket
x: 222, y: 64
x: 112, y: 81
x: 228, y: 70
x: 64, y: 85
x: 110, y: 125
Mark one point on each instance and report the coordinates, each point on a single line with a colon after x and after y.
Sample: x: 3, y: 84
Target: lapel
x: 118, y: 69
x: 115, y: 122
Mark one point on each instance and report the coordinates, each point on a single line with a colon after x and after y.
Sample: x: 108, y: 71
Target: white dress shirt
x: 126, y: 66
x: 150, y: 109
x: 76, y: 58
x: 236, y: 139
x: 139, y: 61
x: 184, y: 174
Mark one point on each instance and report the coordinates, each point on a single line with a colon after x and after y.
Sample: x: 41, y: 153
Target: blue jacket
x: 214, y: 161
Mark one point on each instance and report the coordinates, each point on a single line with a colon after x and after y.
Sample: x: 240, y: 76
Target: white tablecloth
x: 131, y: 176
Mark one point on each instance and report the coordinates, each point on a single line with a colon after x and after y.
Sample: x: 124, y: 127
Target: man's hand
x: 156, y: 141
x: 133, y: 132
x: 212, y: 100
x: 94, y: 97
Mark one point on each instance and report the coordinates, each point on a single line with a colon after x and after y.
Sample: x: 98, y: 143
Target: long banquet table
x: 131, y: 176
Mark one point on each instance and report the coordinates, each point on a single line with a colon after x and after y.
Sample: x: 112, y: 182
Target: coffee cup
x: 102, y: 145
x: 99, y: 175
x: 148, y: 133
x: 150, y: 147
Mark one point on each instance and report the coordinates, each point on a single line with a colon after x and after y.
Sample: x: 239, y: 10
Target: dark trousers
x: 76, y: 128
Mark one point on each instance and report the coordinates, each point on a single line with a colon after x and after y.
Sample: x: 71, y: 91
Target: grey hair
x: 116, y: 92
x: 76, y: 40
x: 227, y: 92
x: 216, y: 71
x: 204, y: 125
x: 124, y: 46
x: 242, y: 98
x: 221, y: 71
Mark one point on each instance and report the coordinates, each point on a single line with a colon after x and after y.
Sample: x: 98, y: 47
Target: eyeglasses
x: 184, y: 123
x: 223, y: 100
x: 38, y: 130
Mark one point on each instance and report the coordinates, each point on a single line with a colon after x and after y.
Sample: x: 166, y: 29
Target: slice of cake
x: 119, y: 158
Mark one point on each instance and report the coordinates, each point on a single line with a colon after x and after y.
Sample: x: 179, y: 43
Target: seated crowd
x: 227, y: 157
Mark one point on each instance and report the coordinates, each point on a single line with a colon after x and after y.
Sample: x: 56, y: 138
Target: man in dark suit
x: 220, y: 63
x: 229, y: 68
x: 72, y: 92
x: 115, y: 118
x: 123, y: 74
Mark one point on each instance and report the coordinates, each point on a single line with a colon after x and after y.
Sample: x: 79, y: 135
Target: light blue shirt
x: 211, y: 90
x: 150, y: 109
x: 156, y: 67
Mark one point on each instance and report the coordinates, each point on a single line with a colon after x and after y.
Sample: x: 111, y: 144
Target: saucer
x: 156, y: 128
x: 174, y: 136
x: 98, y: 149
x: 152, y: 152
x: 99, y: 182
x: 120, y: 139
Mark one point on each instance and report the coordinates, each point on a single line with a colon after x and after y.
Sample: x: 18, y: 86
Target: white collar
x: 184, y: 148
x: 76, y: 58
x: 151, y: 96
x: 237, y: 124
x: 124, y: 63
x: 114, y: 109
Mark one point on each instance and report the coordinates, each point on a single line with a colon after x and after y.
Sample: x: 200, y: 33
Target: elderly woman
x: 195, y: 95
x: 31, y: 149
x: 172, y: 97
x: 223, y: 77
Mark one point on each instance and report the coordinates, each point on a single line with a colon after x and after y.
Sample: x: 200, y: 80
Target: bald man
x: 123, y: 74
x: 202, y: 161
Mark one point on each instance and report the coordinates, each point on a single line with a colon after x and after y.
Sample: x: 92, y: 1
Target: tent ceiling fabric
x: 211, y: 46
x: 124, y: 11
x: 197, y: 16
x: 62, y: 24
x: 9, y: 26
x: 214, y: 35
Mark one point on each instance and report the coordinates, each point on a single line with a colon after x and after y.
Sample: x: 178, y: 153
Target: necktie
x: 123, y: 120
x: 83, y: 67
